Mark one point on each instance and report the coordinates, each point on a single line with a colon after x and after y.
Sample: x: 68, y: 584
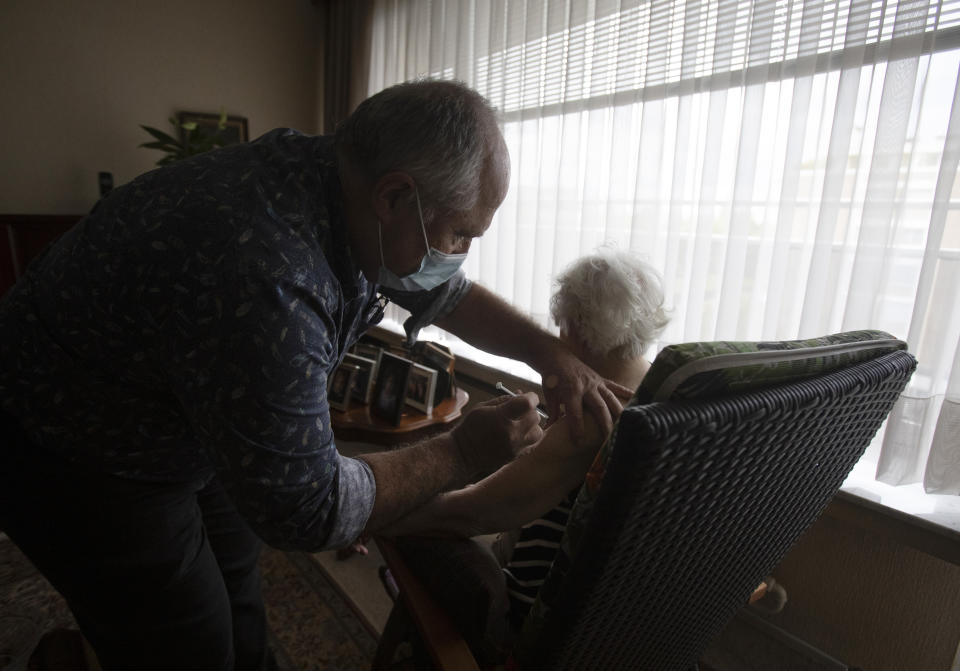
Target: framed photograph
x: 366, y: 377
x: 420, y: 388
x: 389, y: 394
x: 235, y: 131
x: 341, y: 385
x: 438, y: 357
x: 367, y: 350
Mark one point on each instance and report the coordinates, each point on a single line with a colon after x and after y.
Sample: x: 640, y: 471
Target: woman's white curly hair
x: 614, y: 302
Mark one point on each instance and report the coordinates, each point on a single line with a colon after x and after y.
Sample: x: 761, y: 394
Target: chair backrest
x: 701, y: 499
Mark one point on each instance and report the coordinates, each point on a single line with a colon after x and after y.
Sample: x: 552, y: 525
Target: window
x: 790, y: 167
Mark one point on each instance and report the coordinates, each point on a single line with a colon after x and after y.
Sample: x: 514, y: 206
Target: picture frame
x: 340, y: 386
x: 420, y: 388
x: 366, y: 378
x: 440, y: 359
x: 389, y: 395
x: 235, y: 131
x: 367, y: 350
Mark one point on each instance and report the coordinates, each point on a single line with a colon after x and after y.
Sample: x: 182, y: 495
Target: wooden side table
x: 358, y: 424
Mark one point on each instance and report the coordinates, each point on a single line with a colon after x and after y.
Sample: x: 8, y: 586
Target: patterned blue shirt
x: 187, y: 327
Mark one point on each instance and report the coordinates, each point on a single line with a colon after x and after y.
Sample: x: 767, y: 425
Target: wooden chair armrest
x: 447, y: 648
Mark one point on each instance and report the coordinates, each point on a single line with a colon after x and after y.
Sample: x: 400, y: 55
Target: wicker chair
x: 700, y: 499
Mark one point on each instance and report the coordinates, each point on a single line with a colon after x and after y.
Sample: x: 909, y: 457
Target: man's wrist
x: 464, y: 456
x: 544, y: 352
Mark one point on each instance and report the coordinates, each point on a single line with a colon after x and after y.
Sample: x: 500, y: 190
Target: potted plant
x: 196, y: 139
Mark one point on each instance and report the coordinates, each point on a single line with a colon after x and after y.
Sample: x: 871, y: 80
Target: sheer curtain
x: 791, y: 167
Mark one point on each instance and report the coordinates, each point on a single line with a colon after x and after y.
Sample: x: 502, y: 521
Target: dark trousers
x: 158, y: 576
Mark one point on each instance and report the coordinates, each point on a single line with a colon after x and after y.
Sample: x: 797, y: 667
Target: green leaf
x: 196, y: 139
x: 166, y: 146
x: 160, y: 135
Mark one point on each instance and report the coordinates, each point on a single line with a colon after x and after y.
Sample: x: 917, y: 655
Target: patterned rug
x: 312, y: 626
x: 25, y: 595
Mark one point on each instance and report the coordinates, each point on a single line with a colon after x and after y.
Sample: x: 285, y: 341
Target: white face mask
x: 435, y: 268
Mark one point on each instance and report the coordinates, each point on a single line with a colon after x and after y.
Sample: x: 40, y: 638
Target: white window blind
x: 790, y: 167
x: 651, y: 47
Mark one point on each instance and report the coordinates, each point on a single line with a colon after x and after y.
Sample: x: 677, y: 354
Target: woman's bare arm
x: 519, y: 492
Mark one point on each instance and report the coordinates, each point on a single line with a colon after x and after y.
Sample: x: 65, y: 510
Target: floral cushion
x: 707, y: 369
x: 702, y: 370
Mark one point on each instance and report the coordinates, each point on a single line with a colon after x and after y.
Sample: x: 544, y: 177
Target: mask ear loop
x: 423, y: 228
x: 380, y: 240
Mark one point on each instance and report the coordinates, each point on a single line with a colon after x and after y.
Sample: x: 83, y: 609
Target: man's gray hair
x: 614, y: 302
x: 439, y: 132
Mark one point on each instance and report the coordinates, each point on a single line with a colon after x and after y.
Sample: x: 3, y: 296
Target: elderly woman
x: 609, y: 307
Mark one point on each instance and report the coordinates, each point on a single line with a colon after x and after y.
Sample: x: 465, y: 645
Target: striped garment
x: 533, y: 555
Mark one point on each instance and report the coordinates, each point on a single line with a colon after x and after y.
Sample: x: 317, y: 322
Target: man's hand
x: 569, y: 382
x: 495, y: 431
x: 488, y: 322
x: 491, y: 434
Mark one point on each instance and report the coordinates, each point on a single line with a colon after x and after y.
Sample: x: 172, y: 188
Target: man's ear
x: 392, y: 194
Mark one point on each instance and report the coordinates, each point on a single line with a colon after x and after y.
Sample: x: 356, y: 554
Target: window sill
x: 482, y: 367
x: 926, y: 522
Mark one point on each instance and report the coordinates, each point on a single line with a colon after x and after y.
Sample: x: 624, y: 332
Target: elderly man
x: 163, y: 369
